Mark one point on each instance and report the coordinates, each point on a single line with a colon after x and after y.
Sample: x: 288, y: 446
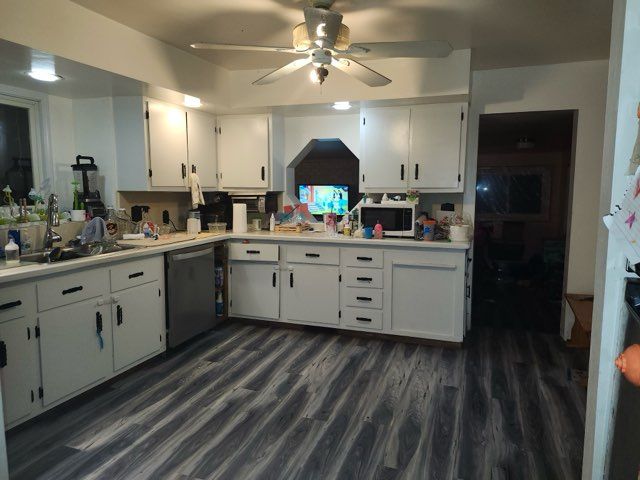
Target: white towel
x: 196, y: 190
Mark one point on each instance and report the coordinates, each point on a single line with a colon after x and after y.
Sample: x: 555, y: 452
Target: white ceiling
x: 502, y: 33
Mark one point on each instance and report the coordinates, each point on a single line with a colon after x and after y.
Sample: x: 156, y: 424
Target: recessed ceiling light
x: 44, y: 75
x: 193, y: 102
x: 342, y: 105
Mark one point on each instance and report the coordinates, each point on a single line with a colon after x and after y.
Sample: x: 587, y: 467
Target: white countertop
x: 33, y: 270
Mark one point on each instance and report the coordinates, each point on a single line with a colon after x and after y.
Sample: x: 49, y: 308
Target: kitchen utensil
x: 257, y: 224
x: 367, y: 232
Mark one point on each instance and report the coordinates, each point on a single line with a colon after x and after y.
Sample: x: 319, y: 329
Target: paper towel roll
x: 239, y: 218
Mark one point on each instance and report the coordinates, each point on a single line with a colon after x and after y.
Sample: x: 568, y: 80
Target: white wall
x: 577, y: 86
x: 609, y: 316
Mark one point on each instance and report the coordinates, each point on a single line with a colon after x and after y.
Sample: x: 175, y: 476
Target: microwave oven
x: 397, y: 218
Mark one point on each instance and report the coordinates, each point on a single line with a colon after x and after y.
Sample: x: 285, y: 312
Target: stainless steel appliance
x: 86, y: 174
x: 397, y: 218
x: 190, y: 278
x: 625, y: 454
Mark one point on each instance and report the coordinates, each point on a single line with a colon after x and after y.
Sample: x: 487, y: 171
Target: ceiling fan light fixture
x: 318, y: 75
x: 341, y: 105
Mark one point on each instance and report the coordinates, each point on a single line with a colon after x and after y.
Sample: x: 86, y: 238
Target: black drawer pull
x: 253, y: 252
x: 99, y: 330
x: 364, y: 299
x: 416, y: 172
x: 119, y: 315
x: 7, y: 306
x: 273, y: 280
x: 137, y: 274
x: 72, y: 290
x: 363, y: 319
x: 291, y: 279
x: 364, y: 279
x: 402, y: 172
x: 262, y: 172
x: 365, y: 259
x: 3, y: 354
x: 312, y: 255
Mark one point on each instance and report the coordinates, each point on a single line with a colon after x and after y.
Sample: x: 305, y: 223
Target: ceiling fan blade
x: 283, y: 71
x: 248, y: 48
x: 418, y: 49
x: 323, y: 26
x: 359, y: 71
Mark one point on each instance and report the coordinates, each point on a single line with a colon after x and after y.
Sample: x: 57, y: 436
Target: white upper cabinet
x: 157, y: 143
x: 249, y: 147
x: 385, y: 148
x: 418, y: 147
x: 435, y: 148
x: 167, y: 144
x: 201, y: 143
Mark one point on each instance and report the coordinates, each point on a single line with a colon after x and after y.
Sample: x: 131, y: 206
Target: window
x: 16, y: 161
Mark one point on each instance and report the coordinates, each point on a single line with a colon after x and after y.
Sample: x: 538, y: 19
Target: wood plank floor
x: 258, y: 402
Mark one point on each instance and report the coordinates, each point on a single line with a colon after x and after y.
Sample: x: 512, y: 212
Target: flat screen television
x: 323, y: 199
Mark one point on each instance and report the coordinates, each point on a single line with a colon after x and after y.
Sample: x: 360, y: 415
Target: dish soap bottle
x: 378, y: 231
x: 12, y: 252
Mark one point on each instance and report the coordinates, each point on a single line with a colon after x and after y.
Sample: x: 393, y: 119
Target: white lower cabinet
x: 75, y: 347
x: 137, y: 316
x: 427, y: 300
x: 254, y: 290
x: 18, y: 372
x: 312, y: 294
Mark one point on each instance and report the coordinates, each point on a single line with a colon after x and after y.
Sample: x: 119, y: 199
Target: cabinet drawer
x: 71, y: 288
x: 353, y: 257
x: 14, y: 301
x: 363, y: 277
x: 313, y: 254
x: 362, y: 297
x: 257, y: 252
x: 130, y: 274
x: 362, y: 318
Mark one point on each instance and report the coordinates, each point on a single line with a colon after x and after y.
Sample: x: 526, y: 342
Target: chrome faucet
x: 53, y: 220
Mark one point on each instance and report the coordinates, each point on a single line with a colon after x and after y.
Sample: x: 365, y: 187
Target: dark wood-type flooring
x: 260, y: 402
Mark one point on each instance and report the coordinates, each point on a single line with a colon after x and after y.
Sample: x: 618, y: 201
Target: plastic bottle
x: 272, y: 223
x: 12, y: 252
x: 219, y: 305
x: 378, y: 231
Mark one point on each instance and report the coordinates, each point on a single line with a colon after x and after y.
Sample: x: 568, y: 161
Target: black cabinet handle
x: 363, y: 319
x: 291, y: 279
x: 98, y: 323
x: 416, y: 172
x: 273, y: 280
x: 253, y: 252
x: 262, y: 172
x: 137, y: 274
x: 312, y: 255
x: 7, y: 306
x: 3, y: 354
x: 402, y: 172
x: 119, y: 315
x: 364, y: 299
x: 365, y: 259
x: 364, y: 279
x: 72, y: 290
x: 184, y: 171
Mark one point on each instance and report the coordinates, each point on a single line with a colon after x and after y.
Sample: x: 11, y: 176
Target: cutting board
x: 149, y: 242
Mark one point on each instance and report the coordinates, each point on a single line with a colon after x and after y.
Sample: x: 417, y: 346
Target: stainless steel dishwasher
x: 190, y: 293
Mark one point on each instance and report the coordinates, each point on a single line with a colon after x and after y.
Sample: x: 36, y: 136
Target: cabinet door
x: 138, y: 319
x: 312, y: 294
x: 19, y: 374
x: 426, y: 302
x: 385, y: 134
x: 73, y: 355
x: 434, y: 152
x: 243, y: 151
x: 202, y: 148
x: 254, y: 290
x: 167, y: 144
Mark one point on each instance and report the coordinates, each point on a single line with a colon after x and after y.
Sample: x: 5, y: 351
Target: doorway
x: 521, y: 217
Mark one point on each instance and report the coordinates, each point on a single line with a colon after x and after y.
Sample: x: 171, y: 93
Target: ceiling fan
x: 324, y: 41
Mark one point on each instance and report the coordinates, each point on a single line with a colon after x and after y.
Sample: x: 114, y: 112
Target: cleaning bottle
x: 12, y: 252
x: 272, y: 223
x: 219, y: 305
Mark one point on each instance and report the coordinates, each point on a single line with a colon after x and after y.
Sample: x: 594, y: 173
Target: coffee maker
x: 86, y: 174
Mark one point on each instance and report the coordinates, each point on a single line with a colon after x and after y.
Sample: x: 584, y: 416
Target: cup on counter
x: 429, y: 229
x: 257, y: 224
x: 367, y: 232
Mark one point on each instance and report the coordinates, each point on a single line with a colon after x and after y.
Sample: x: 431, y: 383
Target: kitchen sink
x: 63, y: 254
